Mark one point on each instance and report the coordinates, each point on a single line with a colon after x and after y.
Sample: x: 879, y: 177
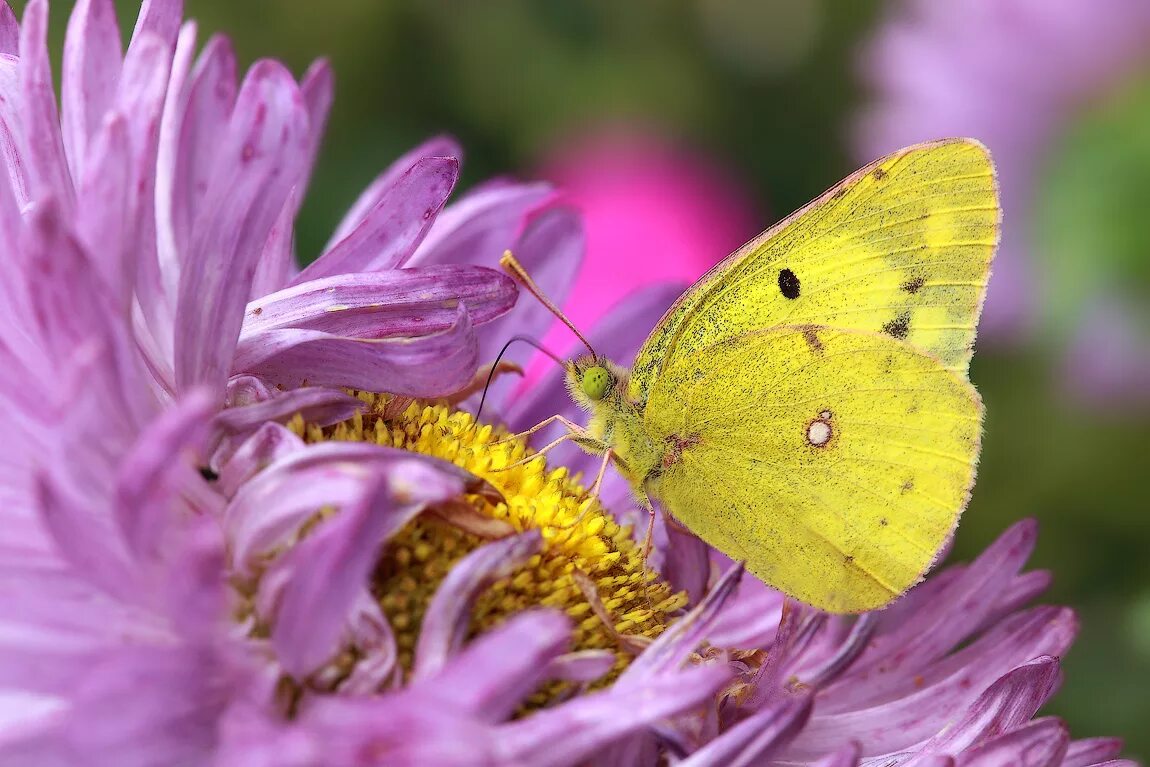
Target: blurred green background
x: 770, y: 90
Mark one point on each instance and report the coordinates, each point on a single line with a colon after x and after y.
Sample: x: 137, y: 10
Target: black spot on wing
x: 878, y: 174
x: 913, y: 286
x: 789, y: 283
x: 899, y: 327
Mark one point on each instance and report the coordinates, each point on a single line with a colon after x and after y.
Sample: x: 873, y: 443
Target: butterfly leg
x: 575, y: 433
x: 572, y: 428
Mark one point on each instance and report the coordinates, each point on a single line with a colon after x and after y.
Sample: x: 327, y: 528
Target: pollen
x: 581, y: 542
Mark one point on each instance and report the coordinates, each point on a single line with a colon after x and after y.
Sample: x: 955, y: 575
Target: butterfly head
x: 592, y: 379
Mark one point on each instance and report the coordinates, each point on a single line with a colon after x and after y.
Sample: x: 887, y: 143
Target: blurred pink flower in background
x: 653, y: 212
x: 1015, y: 74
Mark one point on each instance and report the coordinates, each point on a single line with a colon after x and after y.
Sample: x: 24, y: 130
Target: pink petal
x: 544, y: 738
x: 256, y: 167
x: 1042, y: 743
x: 757, y: 738
x: 317, y: 405
x: 481, y: 225
x: 940, y: 623
x: 160, y: 18
x: 538, y: 636
x: 318, y: 88
x: 101, y: 224
x: 391, y: 231
x: 395, y: 303
x: 369, y: 633
x: 270, y: 444
x: 277, y: 265
x: 1009, y: 703
x: 447, y: 620
x: 269, y: 509
x: 194, y: 120
x: 429, y: 366
x: 47, y: 166
x: 329, y: 569
x: 152, y: 475
x: 91, y: 67
x: 1083, y: 753
x: 9, y: 31
x: 440, y: 146
x: 11, y: 130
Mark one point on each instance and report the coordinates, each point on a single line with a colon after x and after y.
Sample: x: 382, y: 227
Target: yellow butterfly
x: 805, y: 405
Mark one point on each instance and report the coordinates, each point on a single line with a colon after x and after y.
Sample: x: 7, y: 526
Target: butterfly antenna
x: 491, y: 373
x: 512, y: 266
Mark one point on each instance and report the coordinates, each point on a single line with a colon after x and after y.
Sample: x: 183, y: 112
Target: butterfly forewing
x: 902, y: 247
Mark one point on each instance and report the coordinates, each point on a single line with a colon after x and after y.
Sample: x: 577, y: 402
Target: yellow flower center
x: 588, y: 566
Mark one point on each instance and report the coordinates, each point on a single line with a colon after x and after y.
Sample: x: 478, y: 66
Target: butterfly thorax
x: 599, y: 386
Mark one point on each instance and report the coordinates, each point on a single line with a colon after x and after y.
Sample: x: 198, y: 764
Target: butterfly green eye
x: 595, y: 382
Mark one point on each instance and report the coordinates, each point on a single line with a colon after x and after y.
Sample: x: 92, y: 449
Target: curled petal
x: 392, y: 230
x: 326, y: 573
x: 446, y: 622
x: 269, y: 444
x: 757, y: 738
x: 317, y: 405
x: 268, y: 510
x: 318, y: 88
x: 440, y: 146
x: 399, y: 302
x: 538, y: 636
x: 542, y: 740
x: 673, y: 646
x: 430, y: 366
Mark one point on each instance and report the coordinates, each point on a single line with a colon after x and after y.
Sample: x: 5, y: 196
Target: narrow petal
x: 269, y: 509
x: 757, y: 738
x: 152, y: 474
x: 440, y: 146
x: 371, y: 638
x: 102, y: 226
x: 276, y: 264
x: 538, y: 638
x: 318, y: 88
x: 481, y: 225
x: 9, y: 31
x: 256, y: 167
x: 430, y: 366
x: 902, y: 717
x: 391, y: 231
x: 395, y: 303
x: 47, y: 166
x: 1042, y: 743
x: 947, y: 619
x: 160, y: 18
x: 1083, y: 753
x: 1010, y: 702
x: 674, y: 645
x: 329, y: 569
x: 543, y: 739
x: 317, y: 405
x: 193, y: 123
x: 12, y: 131
x: 447, y: 620
x: 267, y: 445
x: 91, y: 67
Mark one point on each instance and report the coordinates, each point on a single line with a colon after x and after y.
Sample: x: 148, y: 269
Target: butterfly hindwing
x: 902, y: 247
x: 835, y: 462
